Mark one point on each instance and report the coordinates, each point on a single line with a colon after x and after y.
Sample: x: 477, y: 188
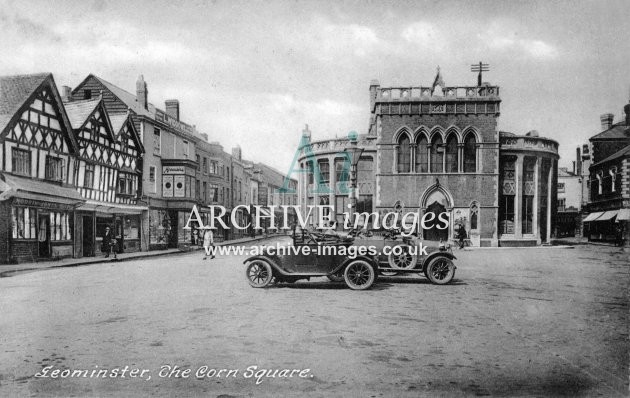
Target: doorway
x: 88, y: 236
x: 43, y: 235
x: 434, y: 233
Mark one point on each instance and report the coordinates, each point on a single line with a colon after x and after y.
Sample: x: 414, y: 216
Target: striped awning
x: 593, y: 216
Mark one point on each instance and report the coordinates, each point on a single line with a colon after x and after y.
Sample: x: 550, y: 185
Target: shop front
x: 41, y: 220
x: 124, y: 220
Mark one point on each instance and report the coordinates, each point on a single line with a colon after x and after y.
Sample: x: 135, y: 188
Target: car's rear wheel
x: 403, y: 256
x: 259, y: 273
x: 440, y: 270
x: 359, y: 275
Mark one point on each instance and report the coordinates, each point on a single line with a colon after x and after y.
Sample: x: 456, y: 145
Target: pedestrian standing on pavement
x: 108, y: 243
x: 461, y: 235
x: 208, y: 242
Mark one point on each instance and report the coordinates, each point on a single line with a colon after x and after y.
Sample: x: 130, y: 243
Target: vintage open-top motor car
x: 406, y: 257
x: 358, y: 272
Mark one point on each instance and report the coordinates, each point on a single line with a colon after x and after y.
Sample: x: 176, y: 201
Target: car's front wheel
x: 359, y: 275
x: 259, y: 273
x: 440, y: 270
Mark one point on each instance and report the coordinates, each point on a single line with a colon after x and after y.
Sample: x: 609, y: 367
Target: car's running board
x: 402, y: 271
x: 304, y: 274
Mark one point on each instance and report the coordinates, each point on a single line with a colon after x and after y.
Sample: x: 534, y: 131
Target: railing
x: 418, y: 93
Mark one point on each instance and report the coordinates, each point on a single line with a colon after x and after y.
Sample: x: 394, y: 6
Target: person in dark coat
x: 461, y: 236
x: 108, y: 242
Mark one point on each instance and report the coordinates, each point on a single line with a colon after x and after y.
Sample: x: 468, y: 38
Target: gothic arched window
x: 451, y: 154
x: 404, y: 154
x: 422, y: 156
x: 470, y: 154
x: 437, y: 155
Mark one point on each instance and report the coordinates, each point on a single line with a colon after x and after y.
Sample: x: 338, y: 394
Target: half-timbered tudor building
x: 37, y: 171
x: 107, y: 174
x: 169, y: 165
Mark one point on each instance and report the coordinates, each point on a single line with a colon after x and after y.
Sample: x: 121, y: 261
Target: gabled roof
x: 118, y: 120
x: 616, y: 132
x: 126, y: 97
x: 623, y: 152
x: 16, y: 90
x: 80, y: 111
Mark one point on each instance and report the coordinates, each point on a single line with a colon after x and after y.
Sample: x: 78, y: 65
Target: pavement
x: 7, y: 270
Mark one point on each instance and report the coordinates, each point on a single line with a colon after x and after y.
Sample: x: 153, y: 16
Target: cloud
x: 508, y: 36
x: 422, y: 33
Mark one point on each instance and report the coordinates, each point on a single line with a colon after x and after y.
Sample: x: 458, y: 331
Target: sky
x: 254, y: 73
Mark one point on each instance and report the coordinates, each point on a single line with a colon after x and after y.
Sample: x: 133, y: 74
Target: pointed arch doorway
x: 436, y: 199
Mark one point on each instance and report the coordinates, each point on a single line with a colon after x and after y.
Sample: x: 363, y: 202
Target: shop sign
x: 170, y: 170
x: 41, y: 205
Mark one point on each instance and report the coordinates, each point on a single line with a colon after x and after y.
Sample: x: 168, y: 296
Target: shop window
x: 404, y: 154
x: 422, y: 155
x: 24, y: 223
x: 157, y: 141
x: 21, y: 161
x: 437, y: 155
x: 60, y: 228
x: 88, y: 180
x: 451, y: 154
x: 54, y: 168
x: 470, y: 154
x: 131, y: 227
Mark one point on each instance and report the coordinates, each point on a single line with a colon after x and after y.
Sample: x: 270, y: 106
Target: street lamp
x: 355, y: 155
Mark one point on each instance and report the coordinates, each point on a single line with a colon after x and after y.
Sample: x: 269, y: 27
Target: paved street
x: 540, y: 321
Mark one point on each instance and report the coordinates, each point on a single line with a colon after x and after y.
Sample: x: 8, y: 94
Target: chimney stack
x: 142, y: 92
x: 172, y: 108
x: 607, y: 121
x: 66, y: 94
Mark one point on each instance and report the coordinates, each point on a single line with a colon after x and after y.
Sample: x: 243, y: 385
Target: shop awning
x: 111, y: 208
x: 25, y: 188
x: 624, y: 214
x: 264, y: 212
x: 593, y: 216
x: 608, y: 215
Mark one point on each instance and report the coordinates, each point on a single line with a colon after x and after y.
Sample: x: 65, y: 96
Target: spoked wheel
x: 359, y: 275
x: 403, y: 256
x: 259, y: 273
x: 440, y: 270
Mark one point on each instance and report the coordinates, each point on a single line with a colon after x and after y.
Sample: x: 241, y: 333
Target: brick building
x: 437, y: 149
x: 607, y: 211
